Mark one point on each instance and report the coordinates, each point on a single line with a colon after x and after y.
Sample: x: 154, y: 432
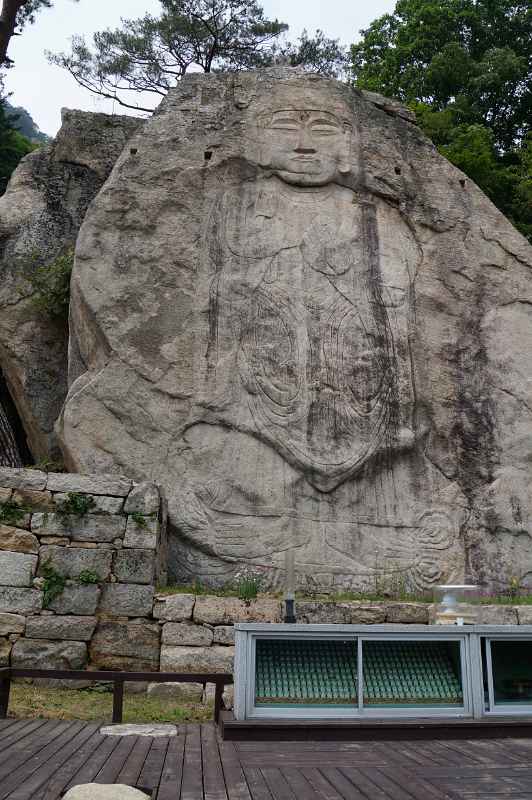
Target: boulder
x: 11, y: 623
x: 135, y: 566
x: 340, y: 613
x: 224, y: 634
x: 113, y: 485
x: 129, y: 600
x: 17, y: 569
x: 5, y: 651
x: 328, y: 352
x: 132, y: 646
x: 40, y: 215
x: 100, y: 503
x: 219, y: 610
x: 188, y: 692
x: 86, y: 528
x: 45, y: 654
x: 408, y: 613
x: 197, y: 659
x: 22, y: 478
x: 20, y: 601
x: 143, y: 499
x: 143, y: 535
x: 37, y: 501
x: 186, y: 633
x: 71, y: 561
x: 78, y: 629
x: 102, y: 791
x: 175, y: 607
x: 77, y: 599
x: 17, y: 540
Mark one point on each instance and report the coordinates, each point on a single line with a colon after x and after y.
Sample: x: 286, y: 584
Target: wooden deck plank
x: 91, y: 768
x: 40, y: 777
x: 213, y: 776
x: 320, y: 784
x: 277, y: 784
x: 111, y: 768
x: 16, y: 735
x: 56, y: 785
x: 172, y: 773
x: 38, y: 759
x: 153, y: 766
x: 235, y: 781
x: 256, y: 784
x: 299, y: 784
x: 132, y: 767
x: 192, y: 782
x: 342, y: 784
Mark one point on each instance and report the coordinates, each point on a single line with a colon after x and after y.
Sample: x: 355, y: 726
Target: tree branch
x: 8, y: 21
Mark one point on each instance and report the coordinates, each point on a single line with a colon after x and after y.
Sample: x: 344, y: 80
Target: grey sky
x: 44, y: 89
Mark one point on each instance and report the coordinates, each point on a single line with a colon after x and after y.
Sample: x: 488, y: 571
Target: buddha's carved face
x: 305, y: 147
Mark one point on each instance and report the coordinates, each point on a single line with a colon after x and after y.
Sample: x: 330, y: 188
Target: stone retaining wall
x: 120, y: 621
x: 110, y: 559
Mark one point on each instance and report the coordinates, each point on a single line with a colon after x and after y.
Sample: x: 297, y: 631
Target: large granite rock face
x: 315, y: 332
x: 40, y: 215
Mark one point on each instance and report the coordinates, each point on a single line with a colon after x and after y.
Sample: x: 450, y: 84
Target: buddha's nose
x: 305, y: 143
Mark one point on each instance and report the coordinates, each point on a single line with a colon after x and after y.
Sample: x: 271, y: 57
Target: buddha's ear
x: 344, y: 162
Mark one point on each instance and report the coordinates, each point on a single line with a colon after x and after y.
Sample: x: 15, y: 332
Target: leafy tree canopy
x: 465, y: 67
x: 13, y: 146
x: 152, y: 53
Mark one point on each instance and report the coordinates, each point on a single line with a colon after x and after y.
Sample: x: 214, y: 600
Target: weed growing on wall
x: 50, y: 284
x: 54, y: 583
x: 76, y: 505
x: 88, y: 576
x: 11, y: 513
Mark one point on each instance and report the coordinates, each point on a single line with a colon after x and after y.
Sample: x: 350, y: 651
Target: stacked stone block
x: 117, y: 543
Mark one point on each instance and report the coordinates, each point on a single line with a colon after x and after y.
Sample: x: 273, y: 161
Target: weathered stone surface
x: 281, y: 387
x: 154, y: 731
x: 224, y: 634
x: 17, y: 540
x: 340, y: 613
x: 135, y: 566
x: 143, y: 499
x: 41, y: 212
x: 130, y: 646
x: 219, y: 610
x: 70, y: 561
x: 11, y: 623
x: 88, y: 528
x: 406, y: 613
x: 142, y: 535
x: 175, y: 607
x: 79, y: 629
x: 114, y: 485
x: 102, y: 791
x: 190, y: 692
x: 5, y: 495
x: 36, y: 501
x: 494, y: 614
x: 22, y: 478
x: 129, y: 600
x: 44, y: 654
x: 524, y: 615
x: 102, y: 504
x: 186, y: 633
x: 17, y: 569
x: 5, y: 651
x: 20, y: 601
x: 264, y: 609
x: 197, y: 659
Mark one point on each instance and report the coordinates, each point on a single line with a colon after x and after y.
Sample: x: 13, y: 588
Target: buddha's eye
x: 320, y: 129
x: 285, y: 125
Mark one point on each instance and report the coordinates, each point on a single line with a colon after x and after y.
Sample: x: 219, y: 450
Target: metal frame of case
x: 468, y: 636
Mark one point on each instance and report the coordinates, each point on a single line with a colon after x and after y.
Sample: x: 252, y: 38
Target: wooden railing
x: 220, y: 680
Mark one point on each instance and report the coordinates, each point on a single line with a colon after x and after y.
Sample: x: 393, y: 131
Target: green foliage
x: 88, y: 576
x: 50, y: 284
x: 152, y: 53
x: 47, y: 465
x: 76, y: 505
x: 11, y: 513
x: 24, y: 123
x: 247, y: 585
x: 139, y: 519
x: 13, y: 146
x: 465, y: 68
x: 54, y: 583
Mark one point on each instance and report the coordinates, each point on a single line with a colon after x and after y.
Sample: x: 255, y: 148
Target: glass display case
x: 340, y: 672
x: 507, y: 675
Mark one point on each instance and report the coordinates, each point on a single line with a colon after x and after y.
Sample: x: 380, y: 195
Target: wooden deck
x: 40, y: 760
